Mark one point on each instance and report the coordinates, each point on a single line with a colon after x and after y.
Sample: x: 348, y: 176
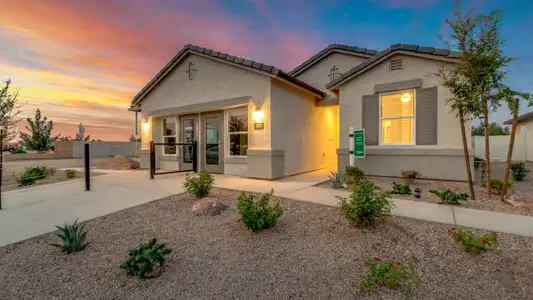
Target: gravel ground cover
x: 522, y: 194
x: 311, y: 254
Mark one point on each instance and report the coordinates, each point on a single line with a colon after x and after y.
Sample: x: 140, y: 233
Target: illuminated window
x: 397, y: 118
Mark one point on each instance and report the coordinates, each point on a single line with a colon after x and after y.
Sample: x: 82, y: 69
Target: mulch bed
x: 311, y: 254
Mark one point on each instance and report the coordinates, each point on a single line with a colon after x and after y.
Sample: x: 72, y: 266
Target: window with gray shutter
x: 426, y: 116
x: 371, y: 119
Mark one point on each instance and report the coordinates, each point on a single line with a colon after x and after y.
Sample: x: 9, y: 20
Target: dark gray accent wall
x: 371, y: 119
x: 426, y: 116
x: 398, y: 85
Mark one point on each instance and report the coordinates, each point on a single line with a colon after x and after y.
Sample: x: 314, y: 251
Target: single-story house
x: 525, y: 129
x: 255, y: 120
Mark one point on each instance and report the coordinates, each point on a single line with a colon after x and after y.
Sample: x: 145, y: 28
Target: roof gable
x: 363, y: 52
x: 220, y: 56
x: 415, y: 50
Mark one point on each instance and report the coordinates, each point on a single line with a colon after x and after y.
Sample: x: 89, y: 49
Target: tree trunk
x: 467, y: 157
x: 510, y: 150
x: 487, y: 145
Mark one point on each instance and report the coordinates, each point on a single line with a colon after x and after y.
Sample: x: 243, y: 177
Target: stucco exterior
x: 529, y: 140
x: 380, y: 161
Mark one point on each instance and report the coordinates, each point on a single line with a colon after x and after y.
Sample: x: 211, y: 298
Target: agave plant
x: 72, y: 237
x: 336, y: 179
x: 449, y: 197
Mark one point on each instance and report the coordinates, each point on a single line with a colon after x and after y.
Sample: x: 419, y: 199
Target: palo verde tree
x: 41, y: 133
x: 482, y: 63
x: 9, y: 109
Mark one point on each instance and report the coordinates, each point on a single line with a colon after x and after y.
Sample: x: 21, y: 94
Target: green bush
x: 31, y: 175
x: 199, y: 185
x: 401, y: 189
x: 496, y: 184
x: 52, y: 171
x: 70, y: 173
x: 336, y: 179
x: 354, y: 174
x: 73, y: 237
x: 449, y: 197
x: 519, y: 171
x: 410, y: 176
x: 17, y: 151
x: 472, y: 243
x: 391, y: 274
x: 365, y: 205
x: 257, y: 211
x: 147, y: 261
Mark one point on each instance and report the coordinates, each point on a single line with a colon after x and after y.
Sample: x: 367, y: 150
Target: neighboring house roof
x: 394, y: 49
x: 330, y: 49
x: 521, y: 118
x: 240, y: 62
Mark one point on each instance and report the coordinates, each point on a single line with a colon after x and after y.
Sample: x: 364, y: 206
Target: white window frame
x: 413, y: 143
x: 163, y: 136
x: 228, y: 134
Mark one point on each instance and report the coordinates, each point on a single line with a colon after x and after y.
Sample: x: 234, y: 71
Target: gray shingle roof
x: 332, y: 47
x: 521, y: 118
x: 396, y: 47
x: 229, y: 58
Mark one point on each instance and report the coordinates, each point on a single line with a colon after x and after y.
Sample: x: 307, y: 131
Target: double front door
x: 207, y: 130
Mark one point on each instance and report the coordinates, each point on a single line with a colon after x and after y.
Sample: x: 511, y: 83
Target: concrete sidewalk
x: 34, y: 211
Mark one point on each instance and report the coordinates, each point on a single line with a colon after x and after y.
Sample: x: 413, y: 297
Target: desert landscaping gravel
x: 311, y: 254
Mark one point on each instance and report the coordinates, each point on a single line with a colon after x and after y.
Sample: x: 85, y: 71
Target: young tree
x: 465, y: 106
x: 494, y: 129
x: 513, y: 102
x: 482, y: 63
x: 9, y: 109
x: 41, y: 133
x: 80, y: 136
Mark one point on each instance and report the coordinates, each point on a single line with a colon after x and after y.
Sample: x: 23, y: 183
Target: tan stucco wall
x: 529, y: 140
x: 305, y: 132
x: 212, y: 81
x: 448, y: 128
x: 317, y: 74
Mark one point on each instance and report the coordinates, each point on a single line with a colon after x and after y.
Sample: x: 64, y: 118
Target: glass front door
x: 212, y: 143
x: 188, y: 135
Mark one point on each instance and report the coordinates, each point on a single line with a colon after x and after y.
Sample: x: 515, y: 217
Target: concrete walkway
x: 34, y: 211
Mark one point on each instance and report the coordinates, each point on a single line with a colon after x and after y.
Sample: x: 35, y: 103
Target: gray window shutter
x: 426, y: 116
x: 371, y: 119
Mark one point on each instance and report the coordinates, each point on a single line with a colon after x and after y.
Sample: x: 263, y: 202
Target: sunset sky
x: 84, y: 60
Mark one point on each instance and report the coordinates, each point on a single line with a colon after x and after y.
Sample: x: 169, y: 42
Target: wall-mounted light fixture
x: 258, y: 115
x: 146, y: 125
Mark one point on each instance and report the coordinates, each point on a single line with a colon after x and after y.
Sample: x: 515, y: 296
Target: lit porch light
x: 258, y: 115
x: 406, y: 97
x: 146, y: 125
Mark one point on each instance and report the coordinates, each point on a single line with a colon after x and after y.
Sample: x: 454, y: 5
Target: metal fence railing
x: 193, y: 145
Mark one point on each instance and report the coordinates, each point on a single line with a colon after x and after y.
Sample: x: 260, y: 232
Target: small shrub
x: 449, y: 197
x: 73, y: 238
x: 257, y: 212
x: 392, y: 274
x: 336, y: 180
x: 135, y: 165
x: 519, y: 171
x: 354, y: 173
x: 31, y: 175
x: 401, y: 189
x: 199, y: 185
x: 17, y: 151
x: 365, y: 205
x: 497, y: 185
x: 477, y: 162
x: 471, y: 243
x: 147, y: 261
x: 70, y: 173
x: 410, y: 176
x: 52, y: 171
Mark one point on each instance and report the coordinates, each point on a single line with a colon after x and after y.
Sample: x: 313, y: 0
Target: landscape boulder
x: 208, y: 207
